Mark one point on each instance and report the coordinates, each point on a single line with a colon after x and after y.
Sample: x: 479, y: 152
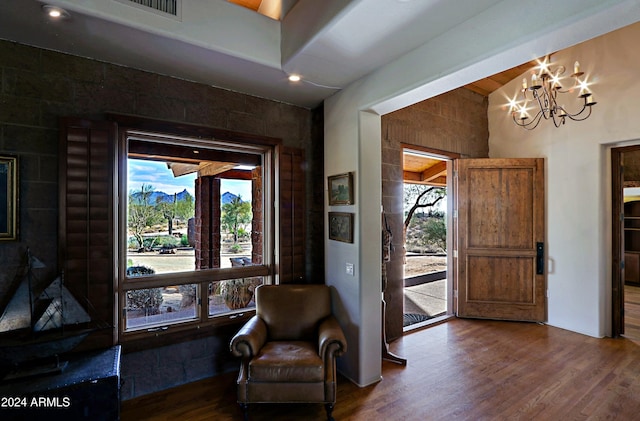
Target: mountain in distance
x: 228, y: 197
x: 158, y: 196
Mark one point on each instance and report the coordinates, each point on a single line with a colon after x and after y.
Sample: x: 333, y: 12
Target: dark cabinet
x: 87, y: 389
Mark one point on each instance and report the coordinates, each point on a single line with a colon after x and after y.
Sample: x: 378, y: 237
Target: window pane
x: 160, y: 206
x: 235, y: 223
x: 191, y: 208
x: 232, y: 294
x: 159, y: 306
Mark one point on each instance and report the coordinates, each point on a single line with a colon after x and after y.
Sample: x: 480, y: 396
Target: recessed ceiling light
x: 294, y: 78
x: 55, y: 12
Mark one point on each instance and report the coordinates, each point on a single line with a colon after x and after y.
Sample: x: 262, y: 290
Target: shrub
x: 147, y: 300
x: 243, y: 234
x: 184, y: 240
x: 188, y: 295
x: 139, y: 270
x: 236, y: 248
x: 166, y: 241
x: 427, y: 233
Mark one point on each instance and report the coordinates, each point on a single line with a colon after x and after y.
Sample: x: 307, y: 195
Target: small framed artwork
x: 8, y: 198
x: 341, y: 189
x: 341, y: 226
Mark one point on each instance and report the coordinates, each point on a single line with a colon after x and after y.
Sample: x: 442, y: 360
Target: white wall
x: 503, y: 36
x: 358, y: 298
x: 578, y: 179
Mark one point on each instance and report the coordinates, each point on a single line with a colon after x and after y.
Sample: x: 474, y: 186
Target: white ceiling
x: 330, y: 43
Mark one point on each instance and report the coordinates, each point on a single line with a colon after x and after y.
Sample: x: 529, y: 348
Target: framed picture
x: 341, y: 189
x: 341, y: 226
x: 8, y: 198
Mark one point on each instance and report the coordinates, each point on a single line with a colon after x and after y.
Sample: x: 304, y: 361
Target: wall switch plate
x: 349, y: 269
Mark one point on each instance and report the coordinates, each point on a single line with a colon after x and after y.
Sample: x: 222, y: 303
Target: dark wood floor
x: 632, y: 312
x: 459, y: 370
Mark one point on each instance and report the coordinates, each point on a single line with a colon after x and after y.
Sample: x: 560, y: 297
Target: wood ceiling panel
x: 424, y: 170
x: 249, y: 4
x: 489, y: 84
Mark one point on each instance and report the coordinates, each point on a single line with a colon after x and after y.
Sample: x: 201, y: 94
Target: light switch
x: 349, y: 269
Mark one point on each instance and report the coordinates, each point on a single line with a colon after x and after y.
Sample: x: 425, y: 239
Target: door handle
x: 539, y: 258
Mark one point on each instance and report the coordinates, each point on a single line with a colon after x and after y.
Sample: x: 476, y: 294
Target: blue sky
x: 161, y: 179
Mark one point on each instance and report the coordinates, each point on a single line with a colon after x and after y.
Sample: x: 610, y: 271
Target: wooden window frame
x: 202, y: 277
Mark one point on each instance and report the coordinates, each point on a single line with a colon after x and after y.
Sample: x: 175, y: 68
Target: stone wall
x: 39, y: 86
x: 452, y: 122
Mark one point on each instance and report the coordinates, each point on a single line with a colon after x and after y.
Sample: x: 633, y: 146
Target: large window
x: 194, y: 230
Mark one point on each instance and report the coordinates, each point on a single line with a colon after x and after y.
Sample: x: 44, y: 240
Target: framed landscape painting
x: 8, y: 198
x: 341, y: 189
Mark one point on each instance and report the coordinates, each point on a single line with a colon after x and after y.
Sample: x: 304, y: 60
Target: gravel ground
x: 182, y: 260
x: 419, y: 265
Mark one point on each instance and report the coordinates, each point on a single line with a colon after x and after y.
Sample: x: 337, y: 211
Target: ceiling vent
x: 169, y: 8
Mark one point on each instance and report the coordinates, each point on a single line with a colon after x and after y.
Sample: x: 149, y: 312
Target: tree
x: 185, y: 208
x: 235, y: 213
x: 168, y: 211
x: 141, y: 212
x: 419, y: 196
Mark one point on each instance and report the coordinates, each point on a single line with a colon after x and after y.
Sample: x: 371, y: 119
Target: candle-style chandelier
x: 541, y: 97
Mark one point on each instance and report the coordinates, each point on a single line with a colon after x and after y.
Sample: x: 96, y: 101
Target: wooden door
x: 500, y: 239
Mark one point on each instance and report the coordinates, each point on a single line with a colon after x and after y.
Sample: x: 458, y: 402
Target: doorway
x: 425, y: 246
x: 625, y: 166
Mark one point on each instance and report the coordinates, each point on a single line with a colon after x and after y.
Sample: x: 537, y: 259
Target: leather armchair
x: 289, y: 347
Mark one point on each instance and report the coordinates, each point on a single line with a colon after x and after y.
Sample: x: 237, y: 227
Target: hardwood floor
x: 459, y: 370
x: 632, y: 313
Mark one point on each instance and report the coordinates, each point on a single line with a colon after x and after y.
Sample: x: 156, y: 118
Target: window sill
x: 220, y: 326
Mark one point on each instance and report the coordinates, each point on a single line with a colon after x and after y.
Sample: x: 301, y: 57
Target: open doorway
x: 625, y: 163
x: 425, y: 236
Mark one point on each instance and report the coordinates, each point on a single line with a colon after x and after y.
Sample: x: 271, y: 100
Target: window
x: 194, y: 236
x: 93, y: 206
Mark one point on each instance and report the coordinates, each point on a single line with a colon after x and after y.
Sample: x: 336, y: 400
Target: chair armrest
x: 249, y: 339
x: 331, y: 337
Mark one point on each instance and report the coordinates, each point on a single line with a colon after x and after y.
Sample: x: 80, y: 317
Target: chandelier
x: 543, y: 96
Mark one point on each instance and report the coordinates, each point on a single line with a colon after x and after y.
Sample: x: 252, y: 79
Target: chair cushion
x: 293, y: 312
x: 293, y: 361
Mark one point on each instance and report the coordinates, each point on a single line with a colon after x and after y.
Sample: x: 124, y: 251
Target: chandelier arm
x: 557, y: 120
x: 540, y: 98
x: 537, y: 120
x: 575, y: 117
x: 534, y: 122
x: 566, y: 91
x: 518, y: 121
x: 553, y: 110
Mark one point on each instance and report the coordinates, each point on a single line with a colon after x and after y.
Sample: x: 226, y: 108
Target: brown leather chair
x: 289, y: 347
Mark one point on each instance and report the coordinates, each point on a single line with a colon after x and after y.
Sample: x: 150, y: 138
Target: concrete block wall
x: 39, y: 86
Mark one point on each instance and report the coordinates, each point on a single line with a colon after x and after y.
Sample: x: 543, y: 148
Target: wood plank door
x: 500, y: 239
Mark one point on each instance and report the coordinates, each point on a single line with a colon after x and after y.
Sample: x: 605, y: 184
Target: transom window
x: 194, y: 230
